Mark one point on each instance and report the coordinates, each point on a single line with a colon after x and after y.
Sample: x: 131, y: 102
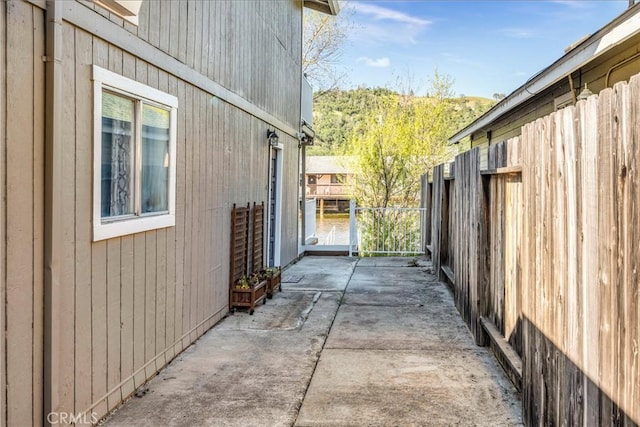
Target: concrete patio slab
x: 238, y: 374
x: 393, y: 286
x: 398, y: 328
x: 286, y: 311
x: 321, y: 273
x: 402, y: 388
x: 376, y: 343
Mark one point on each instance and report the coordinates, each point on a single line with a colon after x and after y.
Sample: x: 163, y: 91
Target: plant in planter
x: 242, y: 283
x: 272, y: 275
x: 248, y: 291
x: 255, y: 279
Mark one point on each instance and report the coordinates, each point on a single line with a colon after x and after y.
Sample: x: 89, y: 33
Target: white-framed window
x: 134, y: 156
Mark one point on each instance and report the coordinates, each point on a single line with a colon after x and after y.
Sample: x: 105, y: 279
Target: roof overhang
x: 616, y: 32
x: 330, y: 7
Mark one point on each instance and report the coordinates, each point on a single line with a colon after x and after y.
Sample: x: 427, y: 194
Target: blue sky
x: 486, y: 47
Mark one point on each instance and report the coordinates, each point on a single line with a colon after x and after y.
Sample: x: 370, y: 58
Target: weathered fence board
x: 469, y: 240
x: 437, y: 190
x: 550, y: 255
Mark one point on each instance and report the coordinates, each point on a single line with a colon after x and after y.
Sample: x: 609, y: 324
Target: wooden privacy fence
x: 544, y: 247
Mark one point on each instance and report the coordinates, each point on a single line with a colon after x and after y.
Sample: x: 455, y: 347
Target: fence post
x: 352, y: 225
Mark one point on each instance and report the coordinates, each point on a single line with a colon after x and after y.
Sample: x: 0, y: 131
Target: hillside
x: 337, y: 113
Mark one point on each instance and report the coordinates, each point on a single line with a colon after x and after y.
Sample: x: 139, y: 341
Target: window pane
x: 155, y: 159
x: 117, y: 155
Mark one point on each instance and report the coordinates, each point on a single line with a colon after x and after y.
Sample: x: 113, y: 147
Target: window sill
x: 110, y: 230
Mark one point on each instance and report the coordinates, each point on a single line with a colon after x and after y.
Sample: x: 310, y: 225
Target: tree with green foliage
x: 402, y: 138
x: 337, y: 114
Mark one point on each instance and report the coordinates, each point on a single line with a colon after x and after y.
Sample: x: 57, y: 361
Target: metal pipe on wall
x: 53, y: 206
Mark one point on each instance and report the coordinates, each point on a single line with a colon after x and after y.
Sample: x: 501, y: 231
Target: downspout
x: 302, y: 147
x: 53, y: 206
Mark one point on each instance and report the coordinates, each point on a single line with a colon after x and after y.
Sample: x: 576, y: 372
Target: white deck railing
x: 374, y: 231
x: 385, y: 231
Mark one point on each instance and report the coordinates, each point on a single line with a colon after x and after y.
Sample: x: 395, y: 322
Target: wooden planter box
x: 273, y: 284
x: 248, y: 298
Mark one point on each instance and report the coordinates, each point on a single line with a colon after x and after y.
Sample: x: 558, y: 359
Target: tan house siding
x: 23, y: 186
x: 261, y: 37
x: 130, y: 304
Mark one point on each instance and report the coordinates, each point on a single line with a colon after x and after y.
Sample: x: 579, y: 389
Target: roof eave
x: 330, y: 7
x: 617, y: 31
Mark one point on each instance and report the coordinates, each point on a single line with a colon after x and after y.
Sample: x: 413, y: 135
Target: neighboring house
x: 599, y: 61
x: 329, y: 180
x: 130, y: 129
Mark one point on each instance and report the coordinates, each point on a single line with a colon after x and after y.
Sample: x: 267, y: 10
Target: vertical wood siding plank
x: 113, y: 320
x: 98, y: 324
x: 222, y: 205
x: 196, y: 266
x: 38, y: 218
x: 181, y: 172
x: 196, y: 38
x: 65, y: 395
x: 3, y: 231
x: 154, y: 22
x: 206, y: 208
x: 205, y: 263
x: 211, y: 38
x: 150, y: 302
x: 116, y: 19
x: 174, y: 27
x: 126, y: 314
x: 190, y: 31
x: 139, y: 288
x: 205, y: 190
x: 182, y: 31
x: 165, y: 25
x: 205, y: 43
x: 143, y: 20
x: 188, y: 218
x: 161, y: 294
x: 19, y: 214
x: 83, y: 206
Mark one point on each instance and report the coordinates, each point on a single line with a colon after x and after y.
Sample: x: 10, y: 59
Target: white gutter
x: 331, y: 7
x: 334, y: 6
x: 619, y: 30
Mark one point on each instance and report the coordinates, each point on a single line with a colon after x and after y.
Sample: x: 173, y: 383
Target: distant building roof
x: 329, y: 164
x: 583, y: 52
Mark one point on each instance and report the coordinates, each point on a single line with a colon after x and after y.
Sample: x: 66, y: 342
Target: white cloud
x: 383, y: 13
x: 516, y: 33
x: 381, y: 26
x: 576, y: 4
x: 377, y: 63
